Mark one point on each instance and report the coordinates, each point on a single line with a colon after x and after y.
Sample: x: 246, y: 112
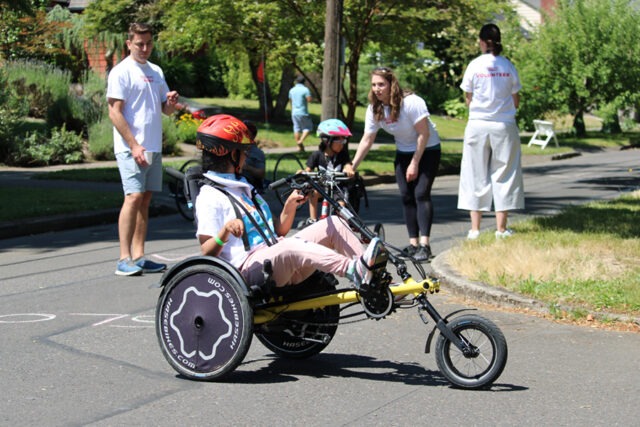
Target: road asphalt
x: 164, y: 204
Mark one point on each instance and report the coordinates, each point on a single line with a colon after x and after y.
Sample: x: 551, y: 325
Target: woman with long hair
x: 404, y: 115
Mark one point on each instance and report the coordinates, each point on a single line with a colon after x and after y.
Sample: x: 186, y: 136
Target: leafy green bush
x: 100, y: 135
x: 12, y: 109
x: 42, y: 84
x: 89, y: 100
x: 187, y: 128
x: 101, y: 139
x: 456, y: 108
x: 50, y: 94
x: 63, y: 147
x: 194, y: 75
x: 169, y: 136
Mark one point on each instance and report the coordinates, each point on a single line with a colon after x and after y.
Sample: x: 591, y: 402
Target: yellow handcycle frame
x: 408, y: 287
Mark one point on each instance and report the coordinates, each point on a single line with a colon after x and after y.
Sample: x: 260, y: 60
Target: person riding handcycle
x: 236, y: 224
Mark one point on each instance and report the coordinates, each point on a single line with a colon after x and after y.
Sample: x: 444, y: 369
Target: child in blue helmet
x: 332, y: 154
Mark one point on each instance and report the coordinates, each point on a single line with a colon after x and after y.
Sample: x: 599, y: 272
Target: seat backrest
x: 193, y: 181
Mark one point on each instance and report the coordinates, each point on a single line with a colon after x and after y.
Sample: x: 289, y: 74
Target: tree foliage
x: 584, y: 57
x: 428, y: 41
x: 289, y: 36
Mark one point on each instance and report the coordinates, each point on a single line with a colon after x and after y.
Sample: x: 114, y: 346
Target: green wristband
x: 220, y: 242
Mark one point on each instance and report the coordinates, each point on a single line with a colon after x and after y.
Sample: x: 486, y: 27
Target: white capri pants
x: 490, y: 168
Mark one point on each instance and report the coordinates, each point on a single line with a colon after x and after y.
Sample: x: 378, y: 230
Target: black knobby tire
x: 181, y: 200
x: 287, y: 164
x: 284, y: 336
x: 480, y: 370
x: 204, y: 322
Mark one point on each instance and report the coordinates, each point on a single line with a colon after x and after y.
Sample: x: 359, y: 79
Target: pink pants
x: 328, y: 245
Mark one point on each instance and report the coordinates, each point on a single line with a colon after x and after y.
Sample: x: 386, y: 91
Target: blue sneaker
x: 126, y: 267
x: 149, y: 266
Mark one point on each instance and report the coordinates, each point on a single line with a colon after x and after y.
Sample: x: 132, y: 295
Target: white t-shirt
x: 413, y: 109
x: 214, y: 210
x: 143, y: 89
x: 492, y: 80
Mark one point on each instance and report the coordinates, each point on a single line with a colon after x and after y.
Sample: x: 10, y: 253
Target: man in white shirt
x: 137, y: 94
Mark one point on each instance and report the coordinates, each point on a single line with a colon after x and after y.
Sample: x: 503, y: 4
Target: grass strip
x: 28, y: 202
x: 586, y: 257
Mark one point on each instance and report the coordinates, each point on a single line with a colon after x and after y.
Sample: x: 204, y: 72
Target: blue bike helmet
x: 333, y: 127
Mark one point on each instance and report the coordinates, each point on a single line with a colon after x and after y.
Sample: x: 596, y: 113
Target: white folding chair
x: 544, y: 130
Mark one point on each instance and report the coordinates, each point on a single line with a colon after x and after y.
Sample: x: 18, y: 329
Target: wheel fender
x: 204, y: 260
x: 427, y: 347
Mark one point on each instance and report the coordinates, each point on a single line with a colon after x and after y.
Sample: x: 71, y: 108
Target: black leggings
x: 416, y: 195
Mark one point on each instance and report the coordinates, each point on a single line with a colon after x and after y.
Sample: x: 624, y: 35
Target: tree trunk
x: 259, y: 76
x: 286, y: 80
x: 578, y: 123
x: 331, y: 68
x: 611, y: 125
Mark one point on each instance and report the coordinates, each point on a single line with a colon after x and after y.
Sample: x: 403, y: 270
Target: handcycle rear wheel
x: 204, y: 322
x: 484, y: 366
x: 287, y: 164
x: 302, y: 334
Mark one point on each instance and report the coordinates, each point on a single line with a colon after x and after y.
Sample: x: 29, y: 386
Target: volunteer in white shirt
x: 491, y: 170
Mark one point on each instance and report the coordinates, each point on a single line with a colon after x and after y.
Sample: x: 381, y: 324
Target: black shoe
x: 409, y: 250
x: 423, y: 253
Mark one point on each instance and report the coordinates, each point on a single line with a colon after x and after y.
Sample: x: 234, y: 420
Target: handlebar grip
x: 279, y: 183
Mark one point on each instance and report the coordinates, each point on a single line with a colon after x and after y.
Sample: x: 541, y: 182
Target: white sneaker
x: 473, y: 234
x: 504, y: 234
x: 374, y: 257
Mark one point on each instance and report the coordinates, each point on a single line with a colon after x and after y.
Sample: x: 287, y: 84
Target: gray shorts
x: 138, y: 179
x: 302, y: 123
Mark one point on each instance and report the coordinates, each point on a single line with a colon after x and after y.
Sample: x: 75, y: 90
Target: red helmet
x: 222, y: 133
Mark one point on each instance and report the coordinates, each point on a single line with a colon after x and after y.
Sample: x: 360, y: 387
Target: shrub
x: 42, y: 84
x: 89, y: 100
x: 187, y: 128
x: 12, y: 109
x: 101, y: 139
x: 63, y: 147
x: 100, y: 135
x: 169, y: 136
x: 456, y: 108
x: 48, y: 91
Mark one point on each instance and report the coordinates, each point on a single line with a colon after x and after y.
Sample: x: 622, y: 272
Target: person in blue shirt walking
x: 300, y: 96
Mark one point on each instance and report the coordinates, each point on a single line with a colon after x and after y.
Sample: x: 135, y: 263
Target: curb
x: 481, y: 291
x: 501, y: 297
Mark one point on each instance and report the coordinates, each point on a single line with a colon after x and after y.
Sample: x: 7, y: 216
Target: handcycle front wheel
x: 481, y: 367
x: 204, y: 322
x: 286, y: 165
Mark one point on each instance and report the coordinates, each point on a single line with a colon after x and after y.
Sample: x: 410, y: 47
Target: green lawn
x: 584, y: 258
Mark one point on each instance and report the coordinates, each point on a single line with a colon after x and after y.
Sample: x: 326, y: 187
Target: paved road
x: 79, y: 348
